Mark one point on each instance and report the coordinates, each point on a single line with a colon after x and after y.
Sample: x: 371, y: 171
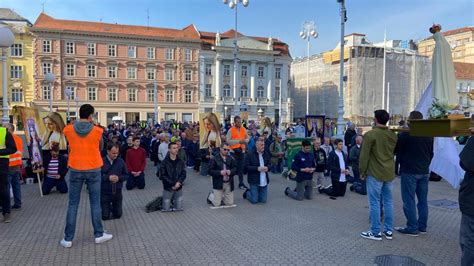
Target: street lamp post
x: 308, y: 30
x: 233, y: 4
x: 68, y: 93
x: 342, y: 78
x: 77, y: 99
x: 225, y: 113
x: 155, y: 99
x: 50, y: 79
x: 6, y: 40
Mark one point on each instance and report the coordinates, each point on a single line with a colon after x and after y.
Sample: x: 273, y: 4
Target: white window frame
x: 169, y: 74
x: 112, y: 50
x: 169, y: 95
x: 47, y: 46
x: 47, y: 67
x: 188, y: 75
x: 112, y: 94
x: 70, y: 72
x: 112, y: 70
x: 16, y: 72
x: 242, y: 90
x: 188, y: 96
x: 132, y: 51
x: 208, y: 90
x: 16, y: 50
x: 188, y: 55
x: 70, y: 47
x: 226, y: 70
x: 132, y: 94
x: 17, y: 95
x: 261, y: 72
x: 92, y: 93
x: 244, y: 71
x: 46, y: 92
x: 208, y: 69
x: 169, y: 54
x: 91, y: 48
x: 131, y: 72
x: 226, y: 91
x: 150, y: 52
x: 150, y: 73
x: 150, y: 95
x: 277, y: 73
x: 91, y: 71
x: 260, y: 92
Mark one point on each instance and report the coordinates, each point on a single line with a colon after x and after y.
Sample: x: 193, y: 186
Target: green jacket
x: 377, y: 153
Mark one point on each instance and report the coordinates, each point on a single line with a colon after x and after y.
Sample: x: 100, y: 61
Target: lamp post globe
x: 50, y: 77
x: 6, y: 37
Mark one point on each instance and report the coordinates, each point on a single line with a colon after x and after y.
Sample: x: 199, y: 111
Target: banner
x: 315, y: 126
x: 209, y: 130
x: 293, y: 147
x: 53, y: 133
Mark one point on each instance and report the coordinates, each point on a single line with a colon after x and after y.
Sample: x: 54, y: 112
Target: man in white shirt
x: 337, y: 164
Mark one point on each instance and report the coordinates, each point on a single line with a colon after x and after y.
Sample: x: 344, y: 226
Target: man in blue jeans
x: 257, y: 164
x: 415, y: 154
x: 376, y: 164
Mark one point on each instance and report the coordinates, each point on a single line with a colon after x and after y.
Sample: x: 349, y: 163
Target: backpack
x: 156, y: 205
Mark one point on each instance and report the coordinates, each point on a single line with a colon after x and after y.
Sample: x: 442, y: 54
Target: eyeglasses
x: 226, y: 149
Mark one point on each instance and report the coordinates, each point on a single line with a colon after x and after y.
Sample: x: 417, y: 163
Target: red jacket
x: 136, y: 160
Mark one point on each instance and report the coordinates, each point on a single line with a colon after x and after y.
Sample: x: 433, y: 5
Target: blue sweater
x: 303, y: 160
x: 118, y: 168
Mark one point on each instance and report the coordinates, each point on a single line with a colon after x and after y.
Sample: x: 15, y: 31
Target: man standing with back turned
x: 237, y: 138
x: 85, y: 165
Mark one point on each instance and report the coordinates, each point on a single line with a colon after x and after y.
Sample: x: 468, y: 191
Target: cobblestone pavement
x: 283, y: 231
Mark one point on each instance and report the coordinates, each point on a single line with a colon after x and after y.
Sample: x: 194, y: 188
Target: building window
x: 112, y: 71
x: 16, y: 72
x: 169, y: 54
x: 150, y: 73
x: 131, y: 72
x: 150, y: 52
x: 226, y: 92
x: 169, y: 96
x: 69, y: 47
x: 208, y: 91
x: 73, y: 92
x: 91, y: 71
x: 278, y: 73
x: 150, y: 94
x: 90, y: 48
x: 132, y: 51
x: 188, y: 96
x: 47, y: 68
x: 244, y: 71
x: 188, y: 55
x: 132, y: 94
x: 112, y: 50
x: 92, y: 93
x: 260, y: 72
x: 208, y: 69
x: 47, y: 46
x: 244, y: 91
x: 16, y: 50
x: 188, y: 74
x: 70, y: 70
x: 277, y: 93
x: 46, y: 92
x: 169, y: 74
x: 17, y: 95
x: 226, y: 70
x: 112, y: 94
x: 260, y: 92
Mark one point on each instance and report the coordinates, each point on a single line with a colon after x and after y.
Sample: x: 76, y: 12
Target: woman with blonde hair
x: 54, y: 131
x: 211, y: 131
x: 265, y: 126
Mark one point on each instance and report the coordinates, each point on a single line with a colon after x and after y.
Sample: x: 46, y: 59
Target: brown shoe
x: 6, y: 218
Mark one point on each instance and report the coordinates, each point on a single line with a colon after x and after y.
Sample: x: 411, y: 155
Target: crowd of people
x: 106, y: 158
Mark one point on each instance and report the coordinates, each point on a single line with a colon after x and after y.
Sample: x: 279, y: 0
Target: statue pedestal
x: 440, y: 127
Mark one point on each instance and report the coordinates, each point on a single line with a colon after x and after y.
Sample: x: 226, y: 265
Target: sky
x: 282, y: 19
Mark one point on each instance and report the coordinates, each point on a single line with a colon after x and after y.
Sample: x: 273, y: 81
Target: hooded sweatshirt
x: 84, y: 146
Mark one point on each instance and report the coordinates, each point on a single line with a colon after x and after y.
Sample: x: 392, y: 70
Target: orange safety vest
x: 240, y: 135
x: 84, y: 152
x: 15, y: 159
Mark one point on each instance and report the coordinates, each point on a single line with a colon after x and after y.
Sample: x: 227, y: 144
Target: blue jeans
x: 14, y: 182
x: 76, y: 180
x: 257, y: 194
x: 378, y: 191
x: 412, y: 185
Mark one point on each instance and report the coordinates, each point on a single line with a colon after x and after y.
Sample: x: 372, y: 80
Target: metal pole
x: 5, y: 117
x: 307, y: 80
x: 340, y: 119
x: 384, y: 66
x: 235, y: 60
x: 279, y: 106
x: 68, y: 113
x: 155, y: 89
x: 50, y: 96
x: 388, y: 97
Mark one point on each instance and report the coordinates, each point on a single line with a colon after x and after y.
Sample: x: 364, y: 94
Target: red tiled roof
x: 47, y: 22
x: 464, y: 70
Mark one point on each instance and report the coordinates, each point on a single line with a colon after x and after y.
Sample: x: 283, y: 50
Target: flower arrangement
x: 438, y: 110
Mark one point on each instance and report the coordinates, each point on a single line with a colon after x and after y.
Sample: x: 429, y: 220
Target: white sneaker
x: 104, y: 238
x: 65, y: 244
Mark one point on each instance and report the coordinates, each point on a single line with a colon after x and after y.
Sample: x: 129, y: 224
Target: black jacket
x: 171, y: 173
x: 252, y: 162
x: 321, y: 159
x: 303, y: 160
x: 215, y: 167
x: 10, y: 148
x: 62, y: 167
x: 466, y: 191
x: 414, y: 153
x: 350, y: 133
x: 118, y: 168
x: 334, y: 166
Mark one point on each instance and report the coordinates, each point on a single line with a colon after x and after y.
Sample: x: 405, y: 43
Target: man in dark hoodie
x: 114, y: 172
x: 172, y: 174
x: 85, y: 165
x: 466, y: 203
x: 304, y: 165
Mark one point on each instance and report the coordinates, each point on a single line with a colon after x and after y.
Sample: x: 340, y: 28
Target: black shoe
x: 351, y: 188
x: 16, y: 207
x: 243, y: 187
x: 286, y: 190
x: 245, y: 194
x: 404, y: 231
x: 333, y: 198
